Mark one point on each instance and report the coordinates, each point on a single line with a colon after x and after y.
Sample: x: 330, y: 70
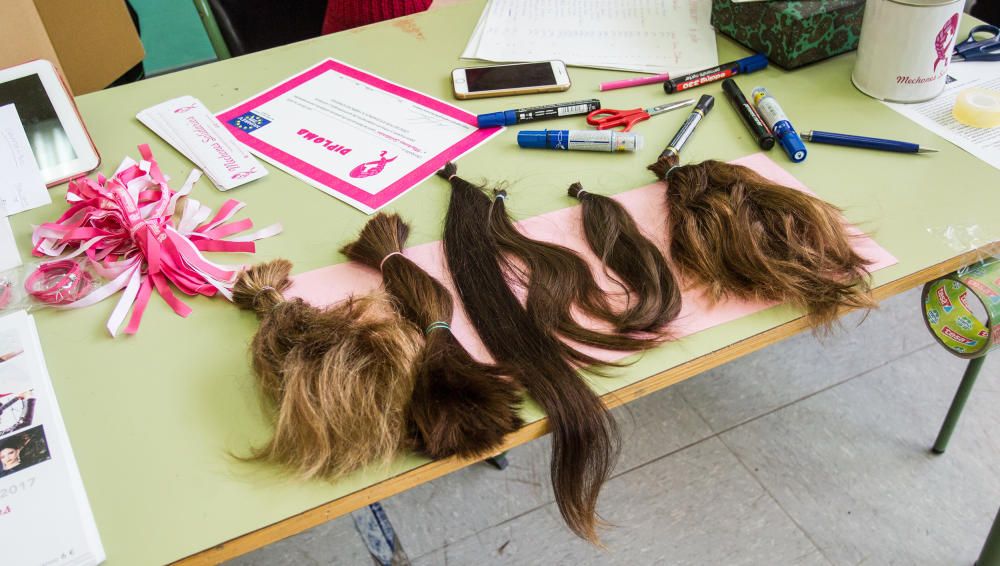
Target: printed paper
x: 649, y: 36
x: 353, y: 135
x: 44, y: 514
x: 935, y: 114
x: 191, y: 129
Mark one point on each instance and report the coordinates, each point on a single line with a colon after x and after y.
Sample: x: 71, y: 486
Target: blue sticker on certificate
x: 249, y: 122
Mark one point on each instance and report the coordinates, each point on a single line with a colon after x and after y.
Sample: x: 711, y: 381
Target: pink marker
x: 638, y: 81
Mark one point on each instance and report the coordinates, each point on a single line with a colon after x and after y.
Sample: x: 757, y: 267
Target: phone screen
x: 509, y: 76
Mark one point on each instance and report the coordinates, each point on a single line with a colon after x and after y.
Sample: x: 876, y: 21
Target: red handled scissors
x: 606, y: 118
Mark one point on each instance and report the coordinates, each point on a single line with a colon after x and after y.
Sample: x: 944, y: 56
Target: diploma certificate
x: 352, y: 135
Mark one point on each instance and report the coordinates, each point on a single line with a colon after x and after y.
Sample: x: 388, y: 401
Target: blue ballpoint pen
x: 863, y: 142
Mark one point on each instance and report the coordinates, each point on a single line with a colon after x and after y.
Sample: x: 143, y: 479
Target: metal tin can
x: 905, y: 48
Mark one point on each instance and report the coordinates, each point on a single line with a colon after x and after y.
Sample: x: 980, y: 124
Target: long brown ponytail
x: 584, y: 436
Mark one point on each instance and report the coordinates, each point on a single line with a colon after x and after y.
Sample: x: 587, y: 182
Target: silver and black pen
x: 701, y: 109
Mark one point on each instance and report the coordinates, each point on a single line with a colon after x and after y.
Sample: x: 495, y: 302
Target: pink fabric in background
x: 328, y: 285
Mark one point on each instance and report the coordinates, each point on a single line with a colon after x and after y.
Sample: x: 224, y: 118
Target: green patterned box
x: 792, y: 33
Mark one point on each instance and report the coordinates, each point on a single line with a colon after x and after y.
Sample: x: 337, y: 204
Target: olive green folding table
x: 156, y: 418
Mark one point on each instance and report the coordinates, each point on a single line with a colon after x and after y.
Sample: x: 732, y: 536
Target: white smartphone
x: 506, y: 80
x: 58, y: 138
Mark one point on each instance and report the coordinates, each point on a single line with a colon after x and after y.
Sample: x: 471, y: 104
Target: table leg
x: 499, y: 461
x: 957, y: 404
x: 991, y: 548
x: 372, y: 523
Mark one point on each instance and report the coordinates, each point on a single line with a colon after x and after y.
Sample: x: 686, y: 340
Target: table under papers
x: 156, y: 418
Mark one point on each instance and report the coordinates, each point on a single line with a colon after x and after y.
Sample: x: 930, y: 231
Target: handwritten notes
x: 21, y: 184
x: 650, y: 36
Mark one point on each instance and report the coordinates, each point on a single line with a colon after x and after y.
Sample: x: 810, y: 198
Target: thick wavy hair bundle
x: 340, y: 378
x: 739, y: 235
x: 460, y: 406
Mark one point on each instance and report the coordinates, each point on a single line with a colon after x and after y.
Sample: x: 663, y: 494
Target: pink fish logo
x: 184, y: 109
x: 371, y: 168
x: 244, y: 174
x: 943, y: 41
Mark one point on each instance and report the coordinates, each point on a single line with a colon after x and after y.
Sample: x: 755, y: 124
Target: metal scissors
x: 984, y: 49
x: 607, y: 118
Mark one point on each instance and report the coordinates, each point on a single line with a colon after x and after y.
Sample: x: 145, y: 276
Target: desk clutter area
x: 477, y: 279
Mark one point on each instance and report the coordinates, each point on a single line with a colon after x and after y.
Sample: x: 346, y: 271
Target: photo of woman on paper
x: 23, y: 450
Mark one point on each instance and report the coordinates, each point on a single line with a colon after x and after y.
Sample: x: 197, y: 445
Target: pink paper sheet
x: 328, y: 285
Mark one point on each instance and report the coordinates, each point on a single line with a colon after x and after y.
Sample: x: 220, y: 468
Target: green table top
x: 155, y: 418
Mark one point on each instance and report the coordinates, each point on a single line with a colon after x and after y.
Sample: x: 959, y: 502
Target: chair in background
x: 238, y: 27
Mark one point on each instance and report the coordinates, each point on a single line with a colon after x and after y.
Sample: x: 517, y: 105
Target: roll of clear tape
x: 977, y: 107
x: 956, y: 304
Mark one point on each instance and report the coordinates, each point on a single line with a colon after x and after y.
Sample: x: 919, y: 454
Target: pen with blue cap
x: 863, y: 142
x: 777, y: 120
x: 723, y: 71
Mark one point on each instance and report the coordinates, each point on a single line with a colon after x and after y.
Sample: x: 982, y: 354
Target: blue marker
x: 547, y: 112
x: 585, y: 140
x: 777, y: 120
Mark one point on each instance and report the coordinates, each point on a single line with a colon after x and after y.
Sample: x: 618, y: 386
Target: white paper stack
x: 648, y: 36
x: 45, y: 517
x: 191, y: 129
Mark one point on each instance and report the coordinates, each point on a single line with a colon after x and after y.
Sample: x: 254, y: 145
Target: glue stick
x: 584, y: 140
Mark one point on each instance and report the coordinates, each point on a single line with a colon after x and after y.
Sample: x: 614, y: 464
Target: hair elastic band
x: 580, y: 193
x: 262, y: 290
x: 59, y: 282
x: 667, y: 174
x: 435, y: 325
x: 500, y: 195
x: 452, y: 176
x: 387, y: 257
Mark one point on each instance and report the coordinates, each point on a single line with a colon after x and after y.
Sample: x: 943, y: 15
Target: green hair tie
x: 436, y: 325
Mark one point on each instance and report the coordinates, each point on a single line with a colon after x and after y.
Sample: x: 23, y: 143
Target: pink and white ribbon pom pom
x: 129, y: 229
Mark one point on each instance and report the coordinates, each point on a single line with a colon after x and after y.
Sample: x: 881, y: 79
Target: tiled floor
x: 811, y: 452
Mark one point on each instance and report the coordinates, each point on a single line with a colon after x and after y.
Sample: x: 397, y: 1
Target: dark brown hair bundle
x: 584, y: 436
x: 340, y: 378
x: 742, y: 236
x: 460, y: 406
x: 636, y: 263
x: 557, y: 280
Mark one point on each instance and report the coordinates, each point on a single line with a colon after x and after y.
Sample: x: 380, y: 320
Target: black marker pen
x: 748, y: 114
x: 549, y: 111
x: 725, y: 70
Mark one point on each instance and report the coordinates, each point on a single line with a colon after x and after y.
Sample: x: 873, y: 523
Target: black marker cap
x: 705, y: 104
